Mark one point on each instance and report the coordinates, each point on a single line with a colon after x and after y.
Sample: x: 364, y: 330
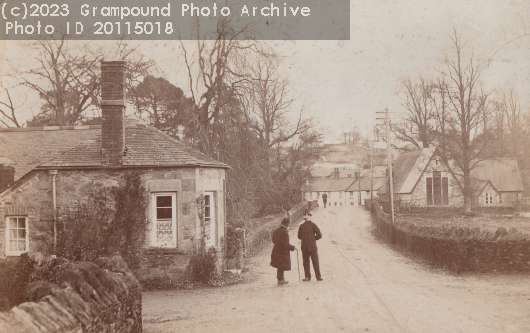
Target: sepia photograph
x: 258, y: 166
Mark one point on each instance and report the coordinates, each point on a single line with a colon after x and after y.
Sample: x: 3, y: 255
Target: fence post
x: 241, y: 248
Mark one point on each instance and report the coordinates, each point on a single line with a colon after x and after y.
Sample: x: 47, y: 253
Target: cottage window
x: 351, y: 195
x: 500, y: 198
x: 437, y: 189
x: 16, y: 235
x: 340, y: 194
x: 210, y: 218
x: 164, y: 231
x: 489, y: 199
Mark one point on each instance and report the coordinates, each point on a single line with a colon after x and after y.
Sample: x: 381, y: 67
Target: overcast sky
x: 343, y: 83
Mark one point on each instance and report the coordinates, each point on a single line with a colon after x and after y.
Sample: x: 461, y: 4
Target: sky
x: 344, y: 83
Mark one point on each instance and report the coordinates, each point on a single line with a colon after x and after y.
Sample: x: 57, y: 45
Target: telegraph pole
x: 372, y: 176
x: 391, y: 186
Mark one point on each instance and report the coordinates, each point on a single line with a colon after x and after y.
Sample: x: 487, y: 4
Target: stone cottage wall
x: 418, y: 197
x: 101, y: 297
x: 33, y: 197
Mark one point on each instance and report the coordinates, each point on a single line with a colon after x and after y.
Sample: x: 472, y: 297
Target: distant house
x: 334, y: 188
x: 496, y: 183
x: 49, y: 167
x: 362, y: 189
x: 422, y: 179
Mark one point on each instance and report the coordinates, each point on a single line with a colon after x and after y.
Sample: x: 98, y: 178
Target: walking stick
x: 298, y: 262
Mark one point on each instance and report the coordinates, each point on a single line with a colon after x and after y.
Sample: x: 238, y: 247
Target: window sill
x: 158, y: 250
x: 15, y: 254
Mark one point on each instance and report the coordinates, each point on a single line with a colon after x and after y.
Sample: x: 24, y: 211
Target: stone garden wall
x: 100, y: 297
x: 459, y: 249
x: 261, y: 232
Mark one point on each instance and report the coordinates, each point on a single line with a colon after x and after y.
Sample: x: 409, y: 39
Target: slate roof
x: 26, y: 148
x: 409, y: 167
x: 329, y: 185
x: 366, y: 184
x: 57, y: 147
x: 503, y: 174
x: 477, y: 186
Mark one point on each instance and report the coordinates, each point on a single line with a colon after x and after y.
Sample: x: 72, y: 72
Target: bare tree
x: 465, y: 139
x: 67, y: 77
x: 8, y: 114
x: 418, y: 124
x: 217, y: 71
x: 267, y: 102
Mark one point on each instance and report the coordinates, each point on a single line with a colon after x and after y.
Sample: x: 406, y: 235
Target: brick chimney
x: 112, y: 111
x: 7, y: 177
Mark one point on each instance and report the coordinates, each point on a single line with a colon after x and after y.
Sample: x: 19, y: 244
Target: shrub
x: 110, y: 221
x: 202, y: 265
x: 16, y: 274
x: 14, y: 277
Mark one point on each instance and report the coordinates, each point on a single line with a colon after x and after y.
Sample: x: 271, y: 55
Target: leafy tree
x: 162, y: 103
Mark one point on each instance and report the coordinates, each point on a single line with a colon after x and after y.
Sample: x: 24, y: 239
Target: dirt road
x: 367, y: 287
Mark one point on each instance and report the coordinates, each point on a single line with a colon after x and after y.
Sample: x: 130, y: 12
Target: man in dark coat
x: 309, y: 233
x: 324, y: 199
x: 280, y: 256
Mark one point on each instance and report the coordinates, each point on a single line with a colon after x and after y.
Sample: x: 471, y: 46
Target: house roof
x: 503, y: 174
x: 409, y: 167
x: 56, y: 147
x: 366, y: 184
x: 477, y: 186
x: 330, y: 185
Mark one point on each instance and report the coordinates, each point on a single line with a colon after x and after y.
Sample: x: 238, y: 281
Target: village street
x: 367, y: 287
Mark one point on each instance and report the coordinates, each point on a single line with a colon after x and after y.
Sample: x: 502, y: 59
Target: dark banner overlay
x: 172, y: 20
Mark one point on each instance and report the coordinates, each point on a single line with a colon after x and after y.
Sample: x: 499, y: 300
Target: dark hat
x: 286, y: 221
x: 307, y: 212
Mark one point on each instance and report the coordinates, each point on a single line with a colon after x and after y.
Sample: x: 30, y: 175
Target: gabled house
x: 496, y: 183
x: 422, y: 179
x: 363, y: 188
x: 335, y: 188
x: 54, y: 167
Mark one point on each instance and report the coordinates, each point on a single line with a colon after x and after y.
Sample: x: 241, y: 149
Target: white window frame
x: 8, y: 239
x: 214, y: 221
x: 174, y: 223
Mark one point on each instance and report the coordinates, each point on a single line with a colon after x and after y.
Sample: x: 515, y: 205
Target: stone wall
x: 32, y: 197
x: 459, y: 249
x: 261, y: 234
x: 101, y: 297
